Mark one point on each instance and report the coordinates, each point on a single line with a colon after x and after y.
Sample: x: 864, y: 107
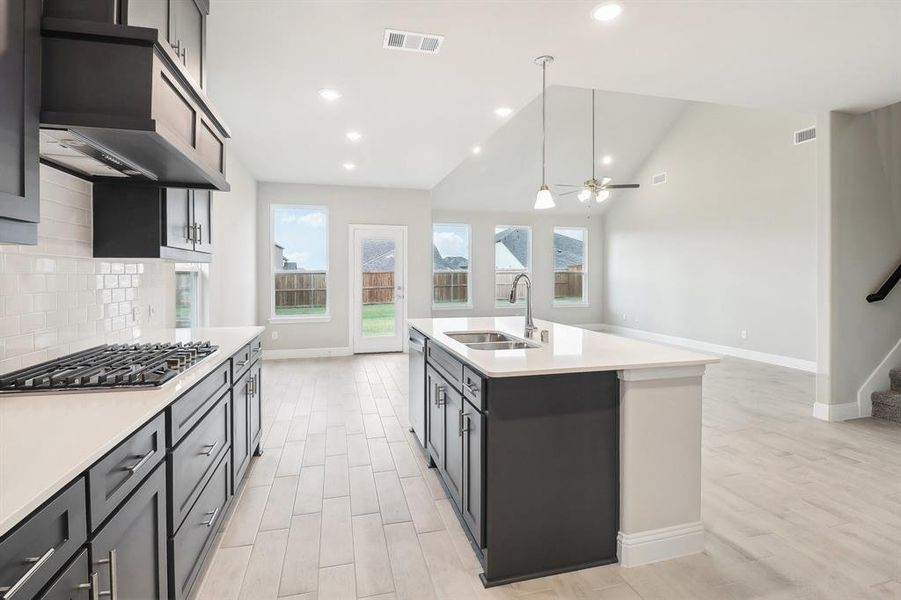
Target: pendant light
x: 544, y: 199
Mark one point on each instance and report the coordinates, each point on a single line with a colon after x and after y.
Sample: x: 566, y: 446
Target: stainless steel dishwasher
x: 417, y: 385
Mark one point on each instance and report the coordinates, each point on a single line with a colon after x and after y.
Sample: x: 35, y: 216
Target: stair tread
x: 889, y: 397
x: 895, y: 377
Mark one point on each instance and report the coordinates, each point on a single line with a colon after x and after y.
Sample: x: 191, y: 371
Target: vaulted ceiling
x: 420, y: 115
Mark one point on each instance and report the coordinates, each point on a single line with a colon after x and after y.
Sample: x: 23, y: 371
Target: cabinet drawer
x: 33, y: 552
x: 193, y: 404
x: 445, y: 363
x: 241, y: 362
x: 474, y: 388
x: 196, y: 455
x: 256, y: 349
x: 114, y: 477
x: 192, y: 542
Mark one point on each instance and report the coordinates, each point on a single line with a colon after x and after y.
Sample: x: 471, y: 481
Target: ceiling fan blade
x: 570, y: 192
x: 569, y: 185
x: 620, y: 186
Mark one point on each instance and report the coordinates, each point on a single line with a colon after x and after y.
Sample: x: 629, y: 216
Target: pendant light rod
x: 544, y: 199
x: 592, y: 135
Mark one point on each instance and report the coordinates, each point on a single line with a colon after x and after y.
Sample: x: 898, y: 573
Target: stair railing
x: 886, y: 287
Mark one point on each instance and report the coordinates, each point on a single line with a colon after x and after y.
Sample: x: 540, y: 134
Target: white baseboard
x: 878, y: 380
x: 836, y: 412
x: 646, y: 547
x: 306, y: 353
x: 764, y: 357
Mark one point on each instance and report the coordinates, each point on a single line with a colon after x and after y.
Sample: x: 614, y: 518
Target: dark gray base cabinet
x: 129, y: 553
x: 73, y: 583
x: 530, y: 463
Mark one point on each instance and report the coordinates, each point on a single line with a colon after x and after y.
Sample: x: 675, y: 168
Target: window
x: 299, y: 262
x: 187, y: 299
x: 451, y: 267
x: 570, y: 265
x: 512, y: 256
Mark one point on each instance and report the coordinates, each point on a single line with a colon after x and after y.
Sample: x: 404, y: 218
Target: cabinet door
x: 179, y: 233
x: 189, y: 32
x: 74, y: 583
x: 129, y: 553
x: 149, y: 13
x: 256, y: 399
x: 203, y: 220
x: 436, y: 388
x: 240, y: 430
x: 471, y: 504
x: 453, y: 445
x: 20, y: 104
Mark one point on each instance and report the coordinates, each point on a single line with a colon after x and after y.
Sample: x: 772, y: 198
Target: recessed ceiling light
x: 503, y: 111
x: 354, y: 136
x: 329, y: 94
x: 349, y: 166
x: 607, y: 11
x: 607, y: 159
x: 476, y: 149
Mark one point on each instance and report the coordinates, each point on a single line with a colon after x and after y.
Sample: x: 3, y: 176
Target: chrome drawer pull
x: 471, y: 389
x: 90, y: 585
x: 143, y: 460
x: 113, y: 592
x: 210, y: 448
x: 212, y: 519
x: 441, y: 397
x: 243, y: 363
x: 39, y: 562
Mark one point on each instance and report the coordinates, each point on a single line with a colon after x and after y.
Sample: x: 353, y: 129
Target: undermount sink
x: 490, y: 340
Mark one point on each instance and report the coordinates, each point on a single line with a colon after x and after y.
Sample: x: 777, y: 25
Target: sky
x: 451, y: 240
x: 302, y: 232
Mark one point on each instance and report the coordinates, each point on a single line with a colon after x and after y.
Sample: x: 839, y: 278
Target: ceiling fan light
x: 544, y: 199
x: 606, y: 180
x: 603, y: 195
x: 584, y: 195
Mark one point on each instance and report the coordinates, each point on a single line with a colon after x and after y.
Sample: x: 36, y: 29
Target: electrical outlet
x: 150, y: 311
x: 274, y: 334
x: 744, y: 334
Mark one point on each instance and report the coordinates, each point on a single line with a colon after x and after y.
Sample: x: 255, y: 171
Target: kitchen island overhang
x: 588, y: 446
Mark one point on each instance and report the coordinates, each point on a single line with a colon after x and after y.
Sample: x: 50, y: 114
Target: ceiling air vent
x: 659, y: 178
x: 805, y: 135
x: 427, y: 43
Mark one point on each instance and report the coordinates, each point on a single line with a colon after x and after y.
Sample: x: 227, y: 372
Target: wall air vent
x: 426, y: 43
x: 805, y: 135
x: 659, y: 178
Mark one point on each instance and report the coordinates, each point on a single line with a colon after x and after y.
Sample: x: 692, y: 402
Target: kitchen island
x: 560, y: 454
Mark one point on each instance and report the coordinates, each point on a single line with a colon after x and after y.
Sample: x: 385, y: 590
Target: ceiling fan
x: 593, y: 188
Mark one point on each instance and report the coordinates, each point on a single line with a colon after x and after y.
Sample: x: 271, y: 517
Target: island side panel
x: 660, y: 466
x: 552, y: 476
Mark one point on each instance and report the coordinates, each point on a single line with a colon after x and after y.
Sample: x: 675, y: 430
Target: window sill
x: 300, y: 319
x: 452, y: 307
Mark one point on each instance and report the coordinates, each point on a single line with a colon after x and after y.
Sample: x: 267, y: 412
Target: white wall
x: 347, y: 205
x: 55, y: 298
x: 231, y: 286
x: 865, y: 246
x: 482, y: 226
x: 729, y: 243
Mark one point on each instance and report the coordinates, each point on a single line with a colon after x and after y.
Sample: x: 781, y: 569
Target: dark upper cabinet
x: 138, y: 221
x: 20, y: 104
x: 129, y: 552
x: 155, y: 14
x: 190, y: 32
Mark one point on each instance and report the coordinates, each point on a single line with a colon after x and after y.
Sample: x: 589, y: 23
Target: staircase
x: 887, y: 405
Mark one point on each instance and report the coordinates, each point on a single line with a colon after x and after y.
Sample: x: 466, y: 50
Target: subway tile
x: 19, y: 345
x: 29, y: 283
x: 19, y: 304
x: 44, y: 302
x: 31, y: 322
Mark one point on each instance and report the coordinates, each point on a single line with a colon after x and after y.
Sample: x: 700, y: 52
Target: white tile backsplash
x: 56, y: 299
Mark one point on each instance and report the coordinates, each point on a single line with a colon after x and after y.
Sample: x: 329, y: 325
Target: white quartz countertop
x: 568, y: 350
x: 47, y: 440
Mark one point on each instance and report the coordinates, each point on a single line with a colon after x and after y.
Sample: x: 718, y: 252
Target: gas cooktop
x: 109, y: 367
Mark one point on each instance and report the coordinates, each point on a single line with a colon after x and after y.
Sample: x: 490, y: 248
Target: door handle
x: 189, y: 237
x: 199, y: 227
x: 465, y: 425
x: 113, y: 592
x: 37, y: 563
x: 441, y: 396
x: 213, y: 513
x: 209, y: 448
x: 460, y: 424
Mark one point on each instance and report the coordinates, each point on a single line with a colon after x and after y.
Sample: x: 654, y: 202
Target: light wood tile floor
x: 342, y: 506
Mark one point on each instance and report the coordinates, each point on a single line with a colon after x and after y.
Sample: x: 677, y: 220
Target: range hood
x: 116, y: 106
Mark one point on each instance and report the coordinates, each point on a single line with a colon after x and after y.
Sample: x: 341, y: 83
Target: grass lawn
x: 378, y: 319
x: 300, y: 310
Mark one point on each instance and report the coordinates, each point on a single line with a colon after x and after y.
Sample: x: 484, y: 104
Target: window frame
x: 319, y: 318
x: 585, y: 298
x: 528, y: 271
x: 469, y: 278
x: 197, y: 300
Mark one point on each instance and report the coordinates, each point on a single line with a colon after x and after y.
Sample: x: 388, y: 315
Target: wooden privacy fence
x: 304, y: 289
x: 567, y: 284
x: 450, y: 287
